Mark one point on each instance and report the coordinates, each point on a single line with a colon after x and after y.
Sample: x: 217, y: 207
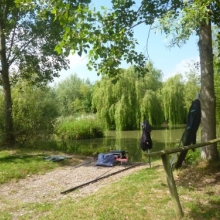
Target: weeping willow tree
x: 115, y: 103
x: 173, y: 100
x: 150, y: 108
x: 130, y: 100
x: 149, y: 96
x: 126, y: 105
x: 103, y: 101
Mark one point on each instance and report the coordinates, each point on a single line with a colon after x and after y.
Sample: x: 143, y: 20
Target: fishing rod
x: 104, y: 173
x: 81, y: 164
x: 97, y: 179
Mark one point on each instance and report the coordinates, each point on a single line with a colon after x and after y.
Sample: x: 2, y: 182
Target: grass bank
x: 145, y: 195
x: 141, y: 195
x: 18, y: 164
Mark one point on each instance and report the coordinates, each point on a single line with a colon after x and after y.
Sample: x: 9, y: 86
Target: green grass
x: 131, y: 198
x: 18, y: 164
x: 14, y: 166
x: 141, y: 195
x: 145, y: 195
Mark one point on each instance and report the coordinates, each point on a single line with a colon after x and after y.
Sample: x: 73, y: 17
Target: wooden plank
x: 180, y: 149
x: 172, y: 186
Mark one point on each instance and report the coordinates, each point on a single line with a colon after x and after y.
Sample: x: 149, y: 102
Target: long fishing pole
x: 97, y: 179
x: 81, y: 164
x: 104, y: 173
x: 148, y: 151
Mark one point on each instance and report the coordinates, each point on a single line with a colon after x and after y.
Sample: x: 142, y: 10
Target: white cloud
x: 77, y: 66
x: 182, y: 67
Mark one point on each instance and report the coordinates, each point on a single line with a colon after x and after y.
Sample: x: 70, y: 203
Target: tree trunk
x: 207, y: 96
x: 9, y: 136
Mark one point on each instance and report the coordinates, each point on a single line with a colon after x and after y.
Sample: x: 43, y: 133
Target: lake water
x: 129, y: 141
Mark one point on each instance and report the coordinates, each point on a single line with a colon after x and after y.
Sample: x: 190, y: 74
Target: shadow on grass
x: 209, y: 210
x: 202, y: 181
x: 200, y: 176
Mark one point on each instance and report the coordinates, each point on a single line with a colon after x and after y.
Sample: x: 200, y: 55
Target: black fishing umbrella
x: 189, y: 134
x: 146, y: 142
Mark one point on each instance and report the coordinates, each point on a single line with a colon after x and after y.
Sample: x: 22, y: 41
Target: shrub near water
x: 81, y: 128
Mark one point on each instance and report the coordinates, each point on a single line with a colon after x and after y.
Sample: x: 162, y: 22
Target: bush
x: 34, y: 111
x: 85, y: 127
x: 193, y: 157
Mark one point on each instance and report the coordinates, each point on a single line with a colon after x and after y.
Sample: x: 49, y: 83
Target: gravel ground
x: 48, y: 187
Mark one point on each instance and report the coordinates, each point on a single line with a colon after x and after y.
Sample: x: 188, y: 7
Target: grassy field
x: 141, y: 195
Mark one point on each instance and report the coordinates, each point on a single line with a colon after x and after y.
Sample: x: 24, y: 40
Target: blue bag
x: 106, y: 160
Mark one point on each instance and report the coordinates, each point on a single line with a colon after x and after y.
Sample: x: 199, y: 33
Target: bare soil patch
x: 199, y: 176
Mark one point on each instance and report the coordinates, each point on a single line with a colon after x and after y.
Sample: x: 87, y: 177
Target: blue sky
x: 169, y: 61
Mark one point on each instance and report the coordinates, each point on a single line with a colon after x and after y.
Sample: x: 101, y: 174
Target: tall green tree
x: 217, y: 85
x: 2, y: 120
x: 126, y: 103
x: 149, y: 96
x: 103, y: 102
x: 28, y: 36
x: 35, y: 111
x: 217, y: 93
x: 83, y: 104
x: 192, y: 86
x: 116, y: 103
x: 110, y: 37
x: 173, y: 100
x: 216, y: 48
x: 74, y: 96
x: 196, y: 17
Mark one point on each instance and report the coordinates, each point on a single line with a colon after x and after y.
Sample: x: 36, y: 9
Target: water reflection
x: 164, y: 138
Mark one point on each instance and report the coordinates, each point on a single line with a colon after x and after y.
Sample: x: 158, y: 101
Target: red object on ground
x: 121, y: 159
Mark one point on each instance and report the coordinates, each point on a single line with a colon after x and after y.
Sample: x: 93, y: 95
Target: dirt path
x: 48, y: 187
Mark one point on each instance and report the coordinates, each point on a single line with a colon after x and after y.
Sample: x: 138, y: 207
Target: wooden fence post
x: 172, y: 185
x: 169, y: 174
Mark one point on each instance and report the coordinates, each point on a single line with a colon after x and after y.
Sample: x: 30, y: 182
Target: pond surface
x: 164, y: 138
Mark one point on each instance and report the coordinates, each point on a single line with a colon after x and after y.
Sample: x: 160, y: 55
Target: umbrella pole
x: 148, y: 151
